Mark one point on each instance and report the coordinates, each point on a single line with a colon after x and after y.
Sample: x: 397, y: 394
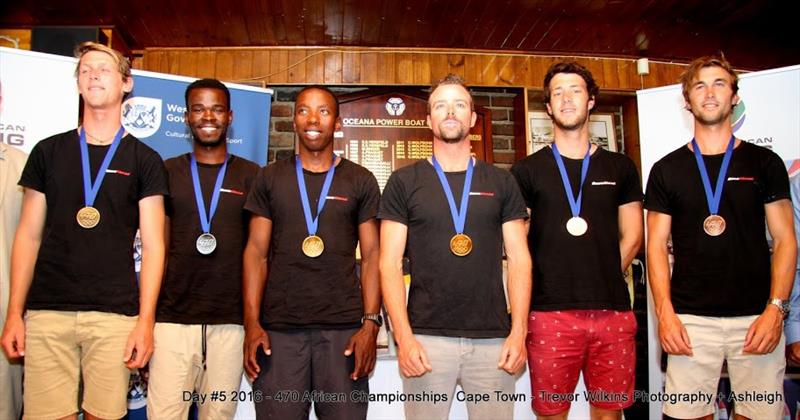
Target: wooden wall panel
x: 376, y: 66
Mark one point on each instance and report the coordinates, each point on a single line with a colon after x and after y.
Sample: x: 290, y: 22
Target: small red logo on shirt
x: 117, y: 171
x: 336, y: 197
x: 741, y: 178
x: 482, y: 193
x: 227, y: 190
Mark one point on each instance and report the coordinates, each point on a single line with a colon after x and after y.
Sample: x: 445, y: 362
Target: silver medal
x: 577, y: 226
x: 206, y: 243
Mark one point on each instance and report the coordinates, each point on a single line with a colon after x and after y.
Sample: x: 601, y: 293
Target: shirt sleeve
x: 258, y: 197
x: 657, y: 197
x: 394, y: 204
x: 370, y: 198
x: 524, y: 180
x: 153, y: 179
x: 774, y: 179
x: 35, y: 172
x: 513, y: 203
x: 631, y: 185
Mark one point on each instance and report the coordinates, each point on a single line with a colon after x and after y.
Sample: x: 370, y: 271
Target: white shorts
x: 756, y: 379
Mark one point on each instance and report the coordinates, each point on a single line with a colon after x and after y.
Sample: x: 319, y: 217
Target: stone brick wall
x: 499, y: 101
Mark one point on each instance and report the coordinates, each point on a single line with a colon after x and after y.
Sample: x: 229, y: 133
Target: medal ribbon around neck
x: 90, y: 190
x: 459, y: 217
x: 311, y: 222
x: 713, y: 197
x: 574, y: 203
x: 205, y: 219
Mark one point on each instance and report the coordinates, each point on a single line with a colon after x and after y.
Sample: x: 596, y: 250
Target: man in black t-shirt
x: 199, y: 333
x: 724, y: 300
x: 586, y: 227
x: 310, y: 322
x: 452, y: 216
x: 87, y: 191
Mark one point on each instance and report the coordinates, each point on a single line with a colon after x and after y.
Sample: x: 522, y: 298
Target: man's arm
x: 24, y: 252
x: 765, y: 332
x: 631, y: 231
x: 513, y: 354
x: 362, y: 343
x: 410, y: 355
x: 151, y: 228
x: 254, y: 278
x: 671, y: 332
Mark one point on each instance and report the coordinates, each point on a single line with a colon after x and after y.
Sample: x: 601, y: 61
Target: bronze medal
x: 313, y: 246
x: 461, y: 245
x: 88, y: 217
x: 714, y: 225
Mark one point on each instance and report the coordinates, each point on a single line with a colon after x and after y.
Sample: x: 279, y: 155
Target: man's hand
x: 412, y: 358
x: 513, y: 354
x: 13, y: 340
x: 254, y: 337
x: 673, y: 336
x: 363, y: 345
x: 140, y: 345
x: 793, y: 352
x: 765, y: 332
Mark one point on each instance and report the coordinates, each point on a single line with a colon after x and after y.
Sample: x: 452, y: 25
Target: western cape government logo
x: 395, y: 106
x: 141, y: 116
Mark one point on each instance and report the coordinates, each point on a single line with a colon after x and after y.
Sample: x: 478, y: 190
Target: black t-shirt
x: 450, y: 295
x: 577, y: 272
x: 205, y: 289
x: 321, y: 292
x: 81, y: 269
x: 727, y: 275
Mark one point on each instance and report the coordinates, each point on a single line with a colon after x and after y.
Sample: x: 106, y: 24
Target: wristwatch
x: 783, y: 306
x: 376, y: 318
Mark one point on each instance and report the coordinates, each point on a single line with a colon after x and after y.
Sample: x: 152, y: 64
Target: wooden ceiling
x: 752, y: 34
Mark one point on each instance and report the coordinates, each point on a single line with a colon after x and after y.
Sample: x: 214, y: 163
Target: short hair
x: 571, y: 67
x: 324, y: 89
x: 123, y: 64
x: 208, y: 84
x: 451, y: 79
x: 688, y: 75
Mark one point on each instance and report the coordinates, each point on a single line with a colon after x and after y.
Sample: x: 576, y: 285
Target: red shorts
x: 599, y: 343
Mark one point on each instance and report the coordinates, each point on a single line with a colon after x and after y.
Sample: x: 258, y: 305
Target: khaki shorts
x: 60, y: 347
x: 754, y: 377
x: 177, y: 369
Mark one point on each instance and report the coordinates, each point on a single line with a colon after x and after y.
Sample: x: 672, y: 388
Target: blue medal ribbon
x: 459, y: 215
x: 311, y: 222
x: 205, y: 219
x: 90, y: 190
x: 574, y: 203
x: 713, y: 197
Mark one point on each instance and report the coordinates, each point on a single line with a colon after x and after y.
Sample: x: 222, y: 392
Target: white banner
x: 39, y: 96
x: 768, y: 115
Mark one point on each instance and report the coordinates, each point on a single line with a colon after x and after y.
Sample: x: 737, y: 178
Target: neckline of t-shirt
x: 474, y: 166
x: 715, y: 155
x: 307, y: 172
x: 592, y: 156
x: 208, y: 165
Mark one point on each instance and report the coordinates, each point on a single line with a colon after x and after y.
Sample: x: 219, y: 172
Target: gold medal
x: 313, y: 246
x: 461, y: 244
x: 714, y: 225
x: 88, y: 217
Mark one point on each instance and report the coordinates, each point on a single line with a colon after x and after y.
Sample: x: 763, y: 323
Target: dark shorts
x: 309, y: 366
